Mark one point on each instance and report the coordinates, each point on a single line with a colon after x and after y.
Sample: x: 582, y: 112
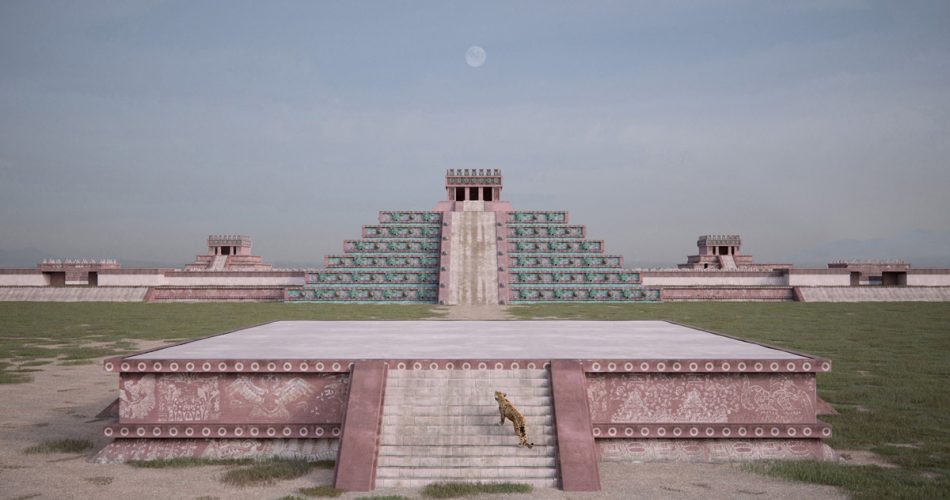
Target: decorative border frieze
x: 819, y: 430
x: 810, y: 365
x: 125, y: 365
x: 208, y: 431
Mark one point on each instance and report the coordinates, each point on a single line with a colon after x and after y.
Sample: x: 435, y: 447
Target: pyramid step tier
x: 409, y: 216
x: 545, y: 231
x: 373, y: 277
x: 538, y: 217
x: 554, y: 245
x: 534, y: 293
x: 575, y: 277
x: 383, y: 261
x: 567, y: 261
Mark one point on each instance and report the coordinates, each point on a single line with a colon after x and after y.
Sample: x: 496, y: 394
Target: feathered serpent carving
x: 270, y: 399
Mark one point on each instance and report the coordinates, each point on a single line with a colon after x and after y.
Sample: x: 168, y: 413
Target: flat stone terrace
x: 623, y: 346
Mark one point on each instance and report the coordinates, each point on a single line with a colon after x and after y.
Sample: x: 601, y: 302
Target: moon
x: 475, y: 56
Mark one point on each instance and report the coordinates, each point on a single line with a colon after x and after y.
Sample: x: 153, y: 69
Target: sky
x: 132, y: 130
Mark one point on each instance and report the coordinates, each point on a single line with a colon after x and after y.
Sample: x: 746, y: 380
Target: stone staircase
x: 473, y: 267
x: 218, y: 263
x: 442, y: 425
x: 727, y: 263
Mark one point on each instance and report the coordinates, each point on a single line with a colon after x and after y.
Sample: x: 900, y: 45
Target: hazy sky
x: 133, y: 130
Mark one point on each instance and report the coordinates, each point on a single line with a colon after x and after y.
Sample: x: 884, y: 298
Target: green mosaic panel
x: 414, y: 217
x: 556, y: 216
x: 364, y: 294
x: 545, y: 231
x: 382, y: 261
x: 387, y: 245
x: 593, y: 246
x: 554, y: 294
x: 402, y: 231
x: 581, y: 261
x: 372, y: 277
x: 562, y: 277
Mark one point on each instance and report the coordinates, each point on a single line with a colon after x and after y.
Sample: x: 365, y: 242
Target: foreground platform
x: 404, y: 403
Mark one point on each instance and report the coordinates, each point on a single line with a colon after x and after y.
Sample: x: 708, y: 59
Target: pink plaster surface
x: 469, y: 340
x: 232, y: 398
x: 356, y: 461
x: 577, y: 454
x: 721, y: 450
x: 122, y: 450
x: 708, y: 398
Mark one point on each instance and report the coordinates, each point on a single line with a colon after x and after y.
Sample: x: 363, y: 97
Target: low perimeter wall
x: 215, y: 294
x: 727, y: 293
x: 23, y: 277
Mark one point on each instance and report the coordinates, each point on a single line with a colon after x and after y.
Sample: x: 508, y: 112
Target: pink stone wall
x: 711, y: 450
x: 215, y: 294
x: 738, y: 293
x: 232, y: 398
x: 706, y: 398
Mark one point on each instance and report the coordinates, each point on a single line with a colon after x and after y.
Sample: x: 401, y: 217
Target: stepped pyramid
x: 473, y: 248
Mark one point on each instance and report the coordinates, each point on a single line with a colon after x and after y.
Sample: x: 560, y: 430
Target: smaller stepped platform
x: 411, y: 402
x: 442, y: 425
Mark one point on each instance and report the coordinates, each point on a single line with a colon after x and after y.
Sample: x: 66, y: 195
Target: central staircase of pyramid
x: 442, y: 425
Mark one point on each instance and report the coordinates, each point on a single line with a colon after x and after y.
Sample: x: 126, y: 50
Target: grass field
x: 36, y: 333
x: 890, y: 381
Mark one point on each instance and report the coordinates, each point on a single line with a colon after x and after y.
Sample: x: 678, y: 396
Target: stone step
x: 388, y: 438
x: 417, y: 483
x: 508, y: 449
x: 455, y: 420
x: 467, y: 401
x: 463, y: 430
x: 469, y: 374
x: 467, y: 382
x: 483, y: 393
x: 467, y: 473
x: 456, y: 410
x: 467, y: 461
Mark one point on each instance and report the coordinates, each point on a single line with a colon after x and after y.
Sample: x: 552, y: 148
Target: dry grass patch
x: 459, y: 489
x: 265, y: 473
x: 60, y: 446
x: 320, y: 491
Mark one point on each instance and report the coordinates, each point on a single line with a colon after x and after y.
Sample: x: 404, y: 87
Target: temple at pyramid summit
x: 474, y: 248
